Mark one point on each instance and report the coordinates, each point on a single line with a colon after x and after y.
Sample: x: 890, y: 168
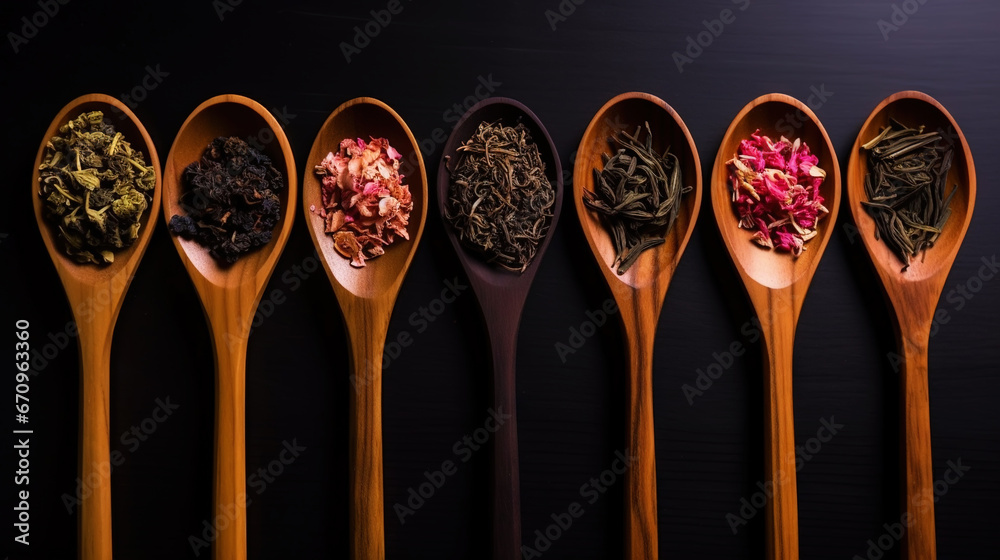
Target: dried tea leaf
x: 645, y: 202
x: 231, y: 200
x: 500, y: 202
x: 95, y: 188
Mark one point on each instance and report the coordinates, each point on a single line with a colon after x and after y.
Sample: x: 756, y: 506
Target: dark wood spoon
x: 501, y: 296
x: 913, y: 296
x: 777, y: 284
x: 100, y: 290
x: 640, y: 291
x: 366, y: 296
x: 229, y: 295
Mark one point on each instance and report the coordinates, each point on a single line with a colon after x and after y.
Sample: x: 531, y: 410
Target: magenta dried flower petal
x: 776, y: 190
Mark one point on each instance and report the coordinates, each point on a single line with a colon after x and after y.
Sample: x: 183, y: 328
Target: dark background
x: 287, y: 56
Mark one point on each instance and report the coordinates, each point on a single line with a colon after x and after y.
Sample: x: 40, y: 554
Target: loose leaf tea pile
x: 365, y: 203
x: 905, y: 184
x: 638, y: 195
x: 775, y: 188
x: 231, y: 200
x: 95, y: 188
x: 500, y: 202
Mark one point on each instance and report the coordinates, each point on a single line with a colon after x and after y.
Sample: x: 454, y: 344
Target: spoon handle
x: 506, y: 477
x: 230, y: 499
x: 641, y: 536
x: 367, y: 339
x: 781, y: 512
x: 919, y: 543
x: 95, y: 446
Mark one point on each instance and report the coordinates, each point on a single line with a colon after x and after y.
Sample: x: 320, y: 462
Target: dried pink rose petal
x: 364, y: 201
x: 775, y: 188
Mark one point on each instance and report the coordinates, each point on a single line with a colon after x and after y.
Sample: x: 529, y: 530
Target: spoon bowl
x: 919, y: 109
x: 229, y: 115
x: 510, y: 113
x: 501, y: 294
x: 86, y: 287
x: 767, y: 267
x: 363, y: 118
x: 913, y: 296
x: 229, y: 294
x: 366, y: 297
x: 640, y: 291
x: 776, y: 283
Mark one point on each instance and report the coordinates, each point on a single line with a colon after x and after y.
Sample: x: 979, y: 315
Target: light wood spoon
x: 95, y: 295
x: 913, y: 296
x: 640, y: 291
x: 366, y: 297
x: 229, y: 295
x: 776, y: 283
x: 501, y: 294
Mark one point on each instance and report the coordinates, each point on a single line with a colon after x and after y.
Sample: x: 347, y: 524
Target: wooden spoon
x: 501, y: 294
x: 366, y: 296
x: 776, y: 283
x: 229, y: 295
x: 640, y: 291
x: 95, y: 295
x: 913, y: 295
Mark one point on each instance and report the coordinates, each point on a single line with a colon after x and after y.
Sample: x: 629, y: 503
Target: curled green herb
x: 95, y: 188
x: 637, y: 194
x: 500, y: 202
x: 905, y: 186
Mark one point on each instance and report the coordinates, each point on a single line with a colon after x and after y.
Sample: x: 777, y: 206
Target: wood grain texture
x: 913, y: 297
x: 639, y: 292
x: 501, y: 294
x: 366, y: 297
x: 95, y: 295
x: 229, y: 296
x: 776, y: 283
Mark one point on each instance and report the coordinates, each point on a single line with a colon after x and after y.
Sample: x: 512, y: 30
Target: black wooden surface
x: 288, y: 56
